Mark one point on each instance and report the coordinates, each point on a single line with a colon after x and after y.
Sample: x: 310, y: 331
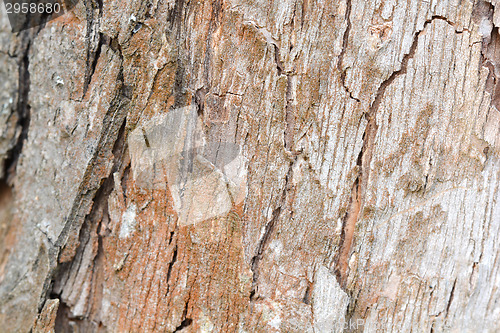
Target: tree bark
x: 252, y: 166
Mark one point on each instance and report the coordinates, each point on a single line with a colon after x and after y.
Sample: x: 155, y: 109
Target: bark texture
x: 252, y: 166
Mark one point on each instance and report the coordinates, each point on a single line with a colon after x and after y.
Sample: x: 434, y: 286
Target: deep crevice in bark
x: 23, y: 107
x: 112, y: 125
x: 277, y: 60
x: 170, y: 266
x: 98, y: 213
x: 185, y: 320
x: 308, y: 294
x: 185, y: 323
x: 95, y: 40
x: 260, y: 249
x: 94, y: 56
x: 99, y: 207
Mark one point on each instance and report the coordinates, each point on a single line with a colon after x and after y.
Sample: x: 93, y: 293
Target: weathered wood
x: 252, y: 166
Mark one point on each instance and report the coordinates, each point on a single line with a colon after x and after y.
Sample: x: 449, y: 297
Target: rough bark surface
x: 252, y: 166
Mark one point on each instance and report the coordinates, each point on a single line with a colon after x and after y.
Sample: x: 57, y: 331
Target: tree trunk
x: 252, y: 166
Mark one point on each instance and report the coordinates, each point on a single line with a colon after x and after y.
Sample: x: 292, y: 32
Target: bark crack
x: 93, y: 189
x: 268, y: 231
x: 290, y: 99
x: 169, y: 270
x: 452, y: 293
x: 95, y: 41
x: 23, y: 108
x: 89, y: 73
x: 345, y: 42
x: 98, y: 215
x: 186, y: 321
x: 277, y: 60
x: 364, y: 160
x: 290, y: 111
